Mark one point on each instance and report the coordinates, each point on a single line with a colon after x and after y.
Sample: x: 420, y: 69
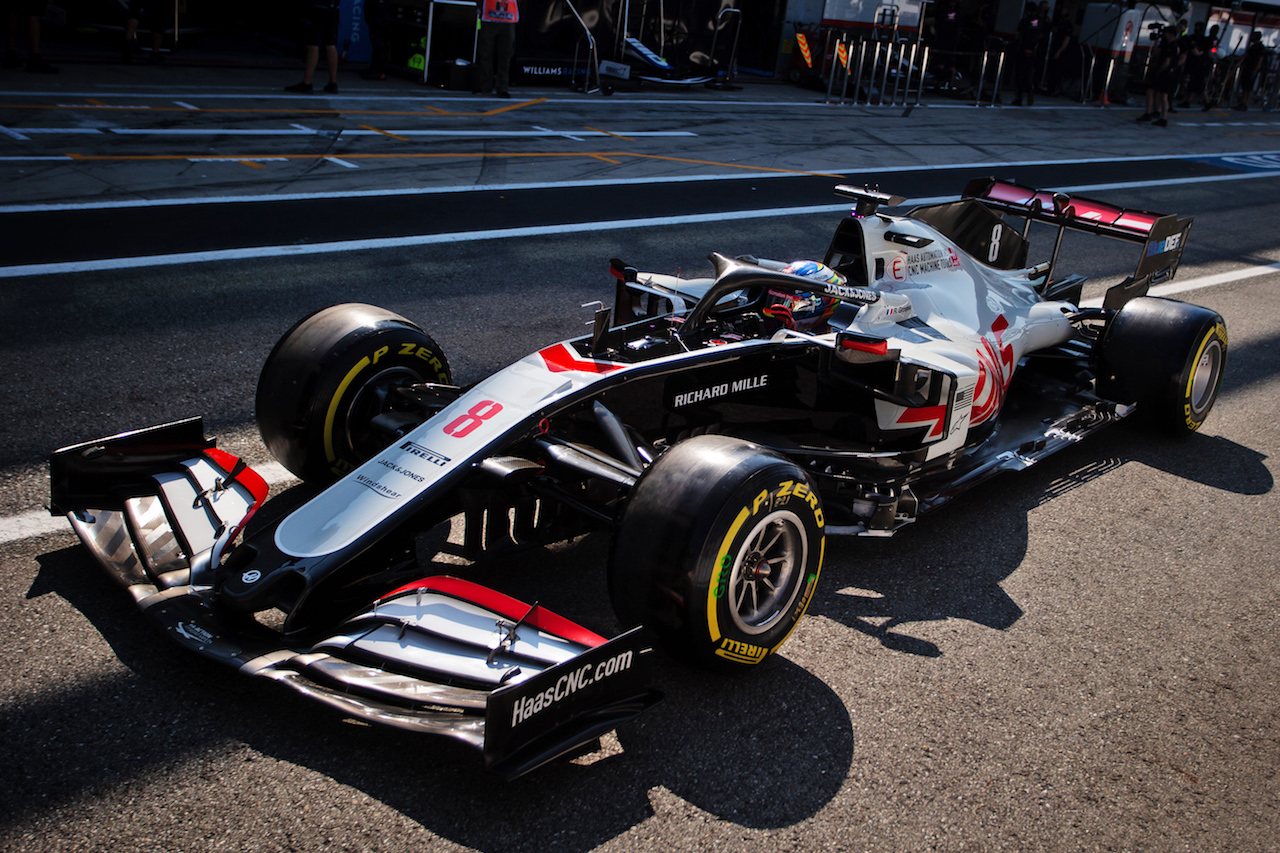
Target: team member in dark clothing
x: 15, y: 13
x: 1026, y: 46
x: 946, y: 39
x: 1250, y: 68
x: 1162, y: 77
x: 1196, y: 47
x: 145, y: 13
x: 319, y: 27
x: 374, y: 20
x: 1064, y: 61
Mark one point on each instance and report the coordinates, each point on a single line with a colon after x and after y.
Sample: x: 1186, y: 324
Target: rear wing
x: 1163, y: 236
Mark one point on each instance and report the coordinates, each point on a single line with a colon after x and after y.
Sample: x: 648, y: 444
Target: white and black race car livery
x: 719, y: 427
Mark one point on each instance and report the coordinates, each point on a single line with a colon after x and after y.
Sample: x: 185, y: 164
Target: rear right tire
x: 1166, y: 356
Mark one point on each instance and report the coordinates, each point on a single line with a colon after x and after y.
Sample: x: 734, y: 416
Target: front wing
x: 158, y: 507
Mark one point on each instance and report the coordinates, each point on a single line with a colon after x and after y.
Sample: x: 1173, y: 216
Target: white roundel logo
x: 251, y: 576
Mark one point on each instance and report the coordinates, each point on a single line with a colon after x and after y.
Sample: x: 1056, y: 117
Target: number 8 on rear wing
x: 1162, y: 236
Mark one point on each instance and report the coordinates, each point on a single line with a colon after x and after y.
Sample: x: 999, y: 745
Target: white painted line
x: 341, y: 162
x: 79, y: 131
x: 186, y: 106
x: 721, y: 102
x: 103, y: 106
x: 1166, y: 182
x: 666, y: 179
x: 497, y: 234
x: 412, y: 191
x: 398, y: 242
x: 315, y: 131
x: 13, y: 134
x: 30, y: 524
x: 205, y: 131
x: 38, y: 523
x: 445, y: 101
x: 237, y: 159
x: 299, y: 130
x: 567, y: 135
x: 1174, y: 288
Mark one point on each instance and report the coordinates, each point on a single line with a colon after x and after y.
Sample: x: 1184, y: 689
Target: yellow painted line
x: 383, y: 132
x: 251, y: 164
x: 509, y: 107
x: 607, y: 133
x: 414, y: 156
x: 615, y: 157
x: 95, y: 102
x: 736, y: 166
x: 426, y: 111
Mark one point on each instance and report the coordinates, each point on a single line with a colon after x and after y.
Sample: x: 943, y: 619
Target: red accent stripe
x: 936, y: 415
x: 561, y: 359
x: 503, y: 605
x: 876, y: 347
x: 248, y: 478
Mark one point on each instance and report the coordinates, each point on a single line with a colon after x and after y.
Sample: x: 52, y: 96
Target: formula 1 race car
x: 719, y: 427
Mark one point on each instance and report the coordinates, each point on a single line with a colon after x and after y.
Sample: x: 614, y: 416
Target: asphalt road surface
x: 1081, y: 656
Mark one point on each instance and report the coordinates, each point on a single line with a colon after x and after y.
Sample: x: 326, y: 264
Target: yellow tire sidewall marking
x: 713, y: 624
x: 1219, y: 333
x: 332, y: 414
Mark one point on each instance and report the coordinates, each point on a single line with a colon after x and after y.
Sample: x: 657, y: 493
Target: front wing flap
x: 156, y: 507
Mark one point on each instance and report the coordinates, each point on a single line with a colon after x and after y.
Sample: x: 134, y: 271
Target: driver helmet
x: 803, y: 311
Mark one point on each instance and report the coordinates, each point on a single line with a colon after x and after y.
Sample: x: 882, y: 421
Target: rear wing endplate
x: 1163, y: 236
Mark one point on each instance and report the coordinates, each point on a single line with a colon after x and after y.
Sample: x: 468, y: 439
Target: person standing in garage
x: 319, y: 26
x: 1026, y: 47
x: 497, y: 45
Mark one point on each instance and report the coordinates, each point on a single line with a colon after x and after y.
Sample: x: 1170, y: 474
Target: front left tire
x: 329, y: 376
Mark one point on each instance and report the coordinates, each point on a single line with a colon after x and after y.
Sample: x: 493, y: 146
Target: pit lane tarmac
x: 301, y: 224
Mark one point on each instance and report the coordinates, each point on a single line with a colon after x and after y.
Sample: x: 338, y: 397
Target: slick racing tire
x: 718, y: 551
x: 328, y: 377
x: 1169, y: 358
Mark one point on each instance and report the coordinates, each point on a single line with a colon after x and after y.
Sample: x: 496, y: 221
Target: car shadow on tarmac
x: 950, y: 564
x: 766, y: 750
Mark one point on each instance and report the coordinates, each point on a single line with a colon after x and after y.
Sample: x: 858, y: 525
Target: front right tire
x: 718, y: 551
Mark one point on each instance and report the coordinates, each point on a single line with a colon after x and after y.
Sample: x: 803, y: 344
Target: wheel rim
x: 1204, y: 377
x: 370, y: 400
x: 767, y: 572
